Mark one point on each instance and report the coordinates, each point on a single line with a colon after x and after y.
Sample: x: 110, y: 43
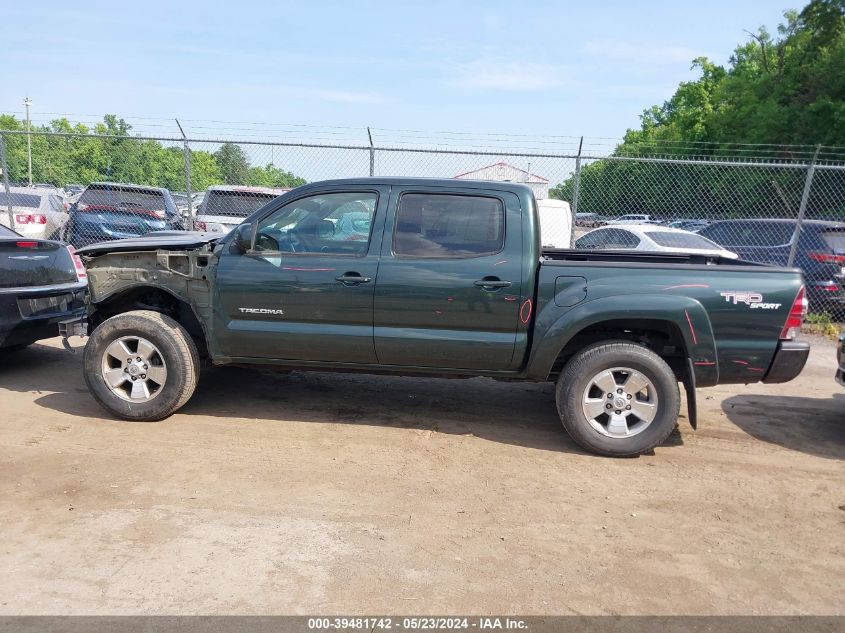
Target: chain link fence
x: 788, y: 210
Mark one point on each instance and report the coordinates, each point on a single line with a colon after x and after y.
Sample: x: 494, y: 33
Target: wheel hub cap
x: 134, y: 369
x: 620, y: 402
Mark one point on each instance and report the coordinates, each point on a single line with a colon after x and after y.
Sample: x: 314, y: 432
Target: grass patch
x: 822, y: 324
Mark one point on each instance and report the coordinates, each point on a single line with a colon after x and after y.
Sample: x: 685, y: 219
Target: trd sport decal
x: 751, y: 299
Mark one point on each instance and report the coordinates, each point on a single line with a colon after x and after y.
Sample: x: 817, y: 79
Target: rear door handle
x: 352, y: 279
x: 488, y: 283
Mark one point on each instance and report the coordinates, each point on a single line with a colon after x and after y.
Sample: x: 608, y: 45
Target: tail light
x: 827, y: 258
x: 81, y: 275
x: 30, y: 218
x: 796, y: 317
x: 200, y: 226
x: 26, y: 244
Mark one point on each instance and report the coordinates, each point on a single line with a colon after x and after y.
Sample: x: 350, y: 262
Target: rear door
x: 304, y: 292
x: 449, y: 288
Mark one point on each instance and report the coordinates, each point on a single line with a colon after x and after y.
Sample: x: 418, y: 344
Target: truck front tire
x: 141, y: 365
x: 618, y: 399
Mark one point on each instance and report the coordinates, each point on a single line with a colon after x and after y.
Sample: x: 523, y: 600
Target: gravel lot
x: 331, y: 493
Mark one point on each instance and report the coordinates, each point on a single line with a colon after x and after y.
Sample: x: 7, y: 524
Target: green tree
x: 784, y: 91
x: 271, y: 176
x: 234, y: 165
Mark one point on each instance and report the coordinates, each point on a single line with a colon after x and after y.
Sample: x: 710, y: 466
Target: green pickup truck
x: 440, y: 278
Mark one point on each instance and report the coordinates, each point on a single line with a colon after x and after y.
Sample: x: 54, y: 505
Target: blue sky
x: 567, y: 68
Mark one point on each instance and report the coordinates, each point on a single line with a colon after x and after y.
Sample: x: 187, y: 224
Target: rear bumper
x: 22, y: 327
x: 789, y: 360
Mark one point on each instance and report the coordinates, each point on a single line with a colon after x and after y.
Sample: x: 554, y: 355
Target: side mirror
x: 242, y: 240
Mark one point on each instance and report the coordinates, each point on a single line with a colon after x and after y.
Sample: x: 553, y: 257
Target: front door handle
x: 491, y: 283
x: 352, y: 279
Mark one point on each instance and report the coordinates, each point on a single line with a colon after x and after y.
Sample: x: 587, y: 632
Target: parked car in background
x: 41, y: 283
x: 589, y: 220
x: 225, y: 206
x: 631, y: 218
x: 688, y: 225
x: 650, y: 238
x: 840, y: 373
x: 555, y: 223
x: 73, y: 189
x: 36, y: 212
x: 113, y: 211
x: 184, y: 205
x: 820, y: 253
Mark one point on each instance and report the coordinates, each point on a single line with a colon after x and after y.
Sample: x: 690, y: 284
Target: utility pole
x: 28, y: 102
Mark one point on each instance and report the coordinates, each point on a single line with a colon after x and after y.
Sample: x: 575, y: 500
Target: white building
x: 508, y: 173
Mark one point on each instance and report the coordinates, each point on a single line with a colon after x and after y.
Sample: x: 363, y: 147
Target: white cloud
x: 503, y: 75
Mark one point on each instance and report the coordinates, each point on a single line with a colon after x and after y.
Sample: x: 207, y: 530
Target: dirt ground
x: 332, y: 493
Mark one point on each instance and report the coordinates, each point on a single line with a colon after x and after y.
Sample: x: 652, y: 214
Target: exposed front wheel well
x: 664, y: 338
x: 156, y: 300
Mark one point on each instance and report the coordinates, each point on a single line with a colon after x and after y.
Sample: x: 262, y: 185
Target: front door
x: 449, y: 287
x: 304, y: 291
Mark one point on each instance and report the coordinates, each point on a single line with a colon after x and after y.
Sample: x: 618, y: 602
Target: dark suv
x: 112, y: 211
x: 820, y: 253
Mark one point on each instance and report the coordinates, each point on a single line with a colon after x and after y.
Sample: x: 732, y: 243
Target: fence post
x: 575, y: 192
x: 6, y: 180
x: 802, y: 210
x: 372, y: 153
x: 186, y: 153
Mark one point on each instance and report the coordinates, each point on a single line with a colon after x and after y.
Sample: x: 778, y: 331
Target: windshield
x: 682, y: 240
x: 237, y: 204
x: 5, y: 232
x: 124, y: 197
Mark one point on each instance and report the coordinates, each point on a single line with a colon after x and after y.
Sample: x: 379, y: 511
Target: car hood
x: 152, y: 241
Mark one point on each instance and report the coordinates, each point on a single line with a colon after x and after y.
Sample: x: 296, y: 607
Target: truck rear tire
x: 618, y: 399
x: 141, y: 365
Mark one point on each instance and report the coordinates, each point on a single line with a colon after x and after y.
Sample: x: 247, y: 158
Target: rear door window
x: 448, y: 226
x: 593, y: 239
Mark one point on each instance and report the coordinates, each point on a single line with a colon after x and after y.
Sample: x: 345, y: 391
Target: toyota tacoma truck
x: 435, y: 278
